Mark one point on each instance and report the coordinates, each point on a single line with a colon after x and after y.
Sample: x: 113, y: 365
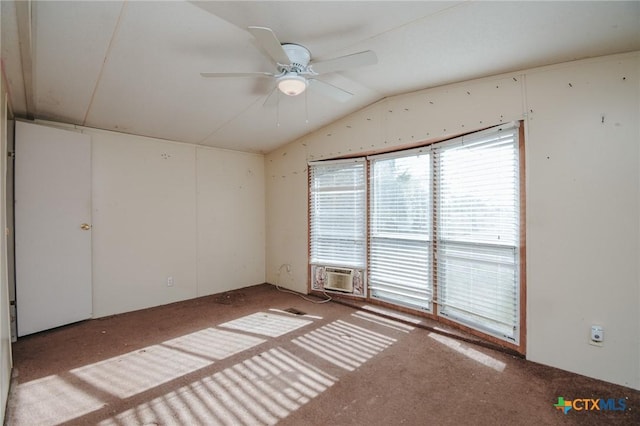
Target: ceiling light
x: 292, y: 84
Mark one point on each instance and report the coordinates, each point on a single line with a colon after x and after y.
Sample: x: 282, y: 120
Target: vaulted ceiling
x: 134, y: 66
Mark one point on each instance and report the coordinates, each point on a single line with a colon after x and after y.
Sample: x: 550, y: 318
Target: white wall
x: 166, y: 209
x: 582, y: 195
x: 583, y: 210
x: 231, y: 226
x: 144, y: 222
x: 5, y: 323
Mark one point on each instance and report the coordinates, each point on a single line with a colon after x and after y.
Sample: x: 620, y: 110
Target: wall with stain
x: 582, y: 192
x: 583, y: 217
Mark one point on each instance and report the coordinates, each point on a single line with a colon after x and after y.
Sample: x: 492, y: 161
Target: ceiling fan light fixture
x: 292, y: 84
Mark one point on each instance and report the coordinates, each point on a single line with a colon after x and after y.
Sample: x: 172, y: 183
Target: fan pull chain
x: 306, y: 106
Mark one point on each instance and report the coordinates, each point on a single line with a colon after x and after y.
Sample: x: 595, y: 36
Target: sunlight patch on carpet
x: 213, y: 344
x: 344, y: 344
x: 135, y: 372
x: 469, y: 352
x: 266, y: 324
x: 287, y: 312
x: 40, y: 401
x: 258, y: 391
x: 394, y: 314
x: 383, y: 321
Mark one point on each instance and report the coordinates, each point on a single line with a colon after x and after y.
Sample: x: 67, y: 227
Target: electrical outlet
x: 169, y: 281
x: 597, y: 335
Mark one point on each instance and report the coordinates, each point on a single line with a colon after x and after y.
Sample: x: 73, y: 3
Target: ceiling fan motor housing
x: 298, y: 55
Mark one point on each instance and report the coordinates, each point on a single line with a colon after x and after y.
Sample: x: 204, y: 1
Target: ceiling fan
x: 294, y: 69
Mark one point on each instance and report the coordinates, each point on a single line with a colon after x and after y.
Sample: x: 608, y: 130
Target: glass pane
x: 478, y: 285
x: 337, y: 213
x: 400, y: 253
x: 478, y: 232
x: 478, y: 198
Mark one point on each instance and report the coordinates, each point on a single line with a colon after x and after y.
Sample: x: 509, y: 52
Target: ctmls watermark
x: 591, y: 404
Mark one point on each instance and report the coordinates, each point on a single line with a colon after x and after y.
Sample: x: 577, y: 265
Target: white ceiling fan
x: 295, y: 70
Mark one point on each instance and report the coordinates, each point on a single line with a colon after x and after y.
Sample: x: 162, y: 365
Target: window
x: 443, y: 227
x: 477, y: 209
x: 400, y: 246
x: 337, y: 200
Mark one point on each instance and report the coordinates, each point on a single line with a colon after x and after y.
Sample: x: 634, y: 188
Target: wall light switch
x: 169, y: 281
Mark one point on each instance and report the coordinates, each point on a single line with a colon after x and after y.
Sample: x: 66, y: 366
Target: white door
x: 52, y: 227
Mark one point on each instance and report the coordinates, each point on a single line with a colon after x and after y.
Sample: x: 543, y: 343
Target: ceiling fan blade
x: 360, y: 59
x: 270, y: 44
x: 236, y: 74
x: 329, y: 90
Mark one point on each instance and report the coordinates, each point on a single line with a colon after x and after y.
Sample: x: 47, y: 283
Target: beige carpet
x: 239, y: 358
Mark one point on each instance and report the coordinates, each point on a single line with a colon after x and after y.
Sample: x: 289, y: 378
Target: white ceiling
x: 135, y: 66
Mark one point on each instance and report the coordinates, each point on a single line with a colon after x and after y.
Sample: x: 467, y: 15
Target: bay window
x: 439, y: 231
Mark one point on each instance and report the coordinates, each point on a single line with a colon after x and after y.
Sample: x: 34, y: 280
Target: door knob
x: 85, y: 226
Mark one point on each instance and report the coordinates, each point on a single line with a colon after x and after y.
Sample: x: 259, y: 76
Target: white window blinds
x: 400, y: 229
x: 337, y: 203
x: 444, y: 227
x: 477, y: 209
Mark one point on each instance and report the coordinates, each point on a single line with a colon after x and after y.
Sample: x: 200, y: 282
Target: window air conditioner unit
x: 339, y: 279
